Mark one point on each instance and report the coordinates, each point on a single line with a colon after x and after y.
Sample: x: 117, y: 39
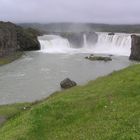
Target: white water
x: 54, y: 44
x: 118, y: 44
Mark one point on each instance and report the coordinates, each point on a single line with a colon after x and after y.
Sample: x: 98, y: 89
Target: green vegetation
x: 9, y: 58
x: 9, y: 111
x: 105, y: 109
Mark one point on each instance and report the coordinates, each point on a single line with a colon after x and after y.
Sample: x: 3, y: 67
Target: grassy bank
x: 9, y: 58
x: 105, y: 109
x: 9, y: 111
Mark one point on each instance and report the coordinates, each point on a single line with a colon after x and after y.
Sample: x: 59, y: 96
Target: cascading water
x: 85, y: 40
x: 54, y: 44
x: 118, y: 44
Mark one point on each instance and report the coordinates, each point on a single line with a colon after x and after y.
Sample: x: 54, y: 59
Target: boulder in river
x: 67, y: 83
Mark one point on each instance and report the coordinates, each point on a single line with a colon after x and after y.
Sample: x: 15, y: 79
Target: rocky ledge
x: 14, y: 38
x: 98, y: 58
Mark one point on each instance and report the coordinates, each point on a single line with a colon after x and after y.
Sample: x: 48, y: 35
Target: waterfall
x: 54, y: 44
x: 85, y: 40
x: 120, y: 40
x: 118, y: 44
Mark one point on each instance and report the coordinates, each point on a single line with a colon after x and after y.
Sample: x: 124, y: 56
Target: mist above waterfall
x: 118, y: 44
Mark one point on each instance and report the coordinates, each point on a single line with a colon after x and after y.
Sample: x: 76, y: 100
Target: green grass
x: 105, y: 109
x: 10, y: 110
x: 9, y: 58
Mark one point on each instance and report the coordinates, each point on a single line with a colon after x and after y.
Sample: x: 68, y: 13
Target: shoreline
x: 10, y: 58
x: 24, y: 106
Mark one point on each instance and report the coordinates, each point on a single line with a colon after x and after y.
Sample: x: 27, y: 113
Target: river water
x: 38, y: 74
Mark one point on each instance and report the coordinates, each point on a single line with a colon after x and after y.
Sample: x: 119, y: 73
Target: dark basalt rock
x: 27, y: 39
x: 8, y: 38
x: 111, y: 33
x: 13, y: 38
x: 135, y: 48
x: 67, y: 83
x: 98, y: 58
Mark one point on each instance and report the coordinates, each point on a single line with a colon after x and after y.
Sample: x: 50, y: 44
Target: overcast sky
x: 99, y: 11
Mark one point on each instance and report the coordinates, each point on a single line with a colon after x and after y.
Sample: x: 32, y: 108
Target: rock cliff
x: 135, y: 48
x: 13, y: 38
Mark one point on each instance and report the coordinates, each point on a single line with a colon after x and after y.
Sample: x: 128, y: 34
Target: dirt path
x: 2, y: 119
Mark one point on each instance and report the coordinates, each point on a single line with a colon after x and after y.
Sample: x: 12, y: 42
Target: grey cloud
x: 103, y: 11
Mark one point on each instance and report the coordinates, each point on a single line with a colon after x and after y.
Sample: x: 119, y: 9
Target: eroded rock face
x: 8, y: 38
x: 27, y: 39
x: 67, y: 83
x: 13, y: 38
x: 135, y: 48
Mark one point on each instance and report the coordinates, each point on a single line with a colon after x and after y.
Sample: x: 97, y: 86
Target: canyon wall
x: 14, y: 38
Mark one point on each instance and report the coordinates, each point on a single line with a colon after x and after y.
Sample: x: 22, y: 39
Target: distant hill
x: 82, y: 27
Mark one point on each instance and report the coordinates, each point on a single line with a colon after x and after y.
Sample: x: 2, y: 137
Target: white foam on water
x: 118, y: 44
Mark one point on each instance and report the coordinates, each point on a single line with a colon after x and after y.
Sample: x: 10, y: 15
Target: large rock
x: 67, y: 83
x: 135, y: 48
x: 27, y: 39
x: 13, y: 38
x: 8, y: 38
